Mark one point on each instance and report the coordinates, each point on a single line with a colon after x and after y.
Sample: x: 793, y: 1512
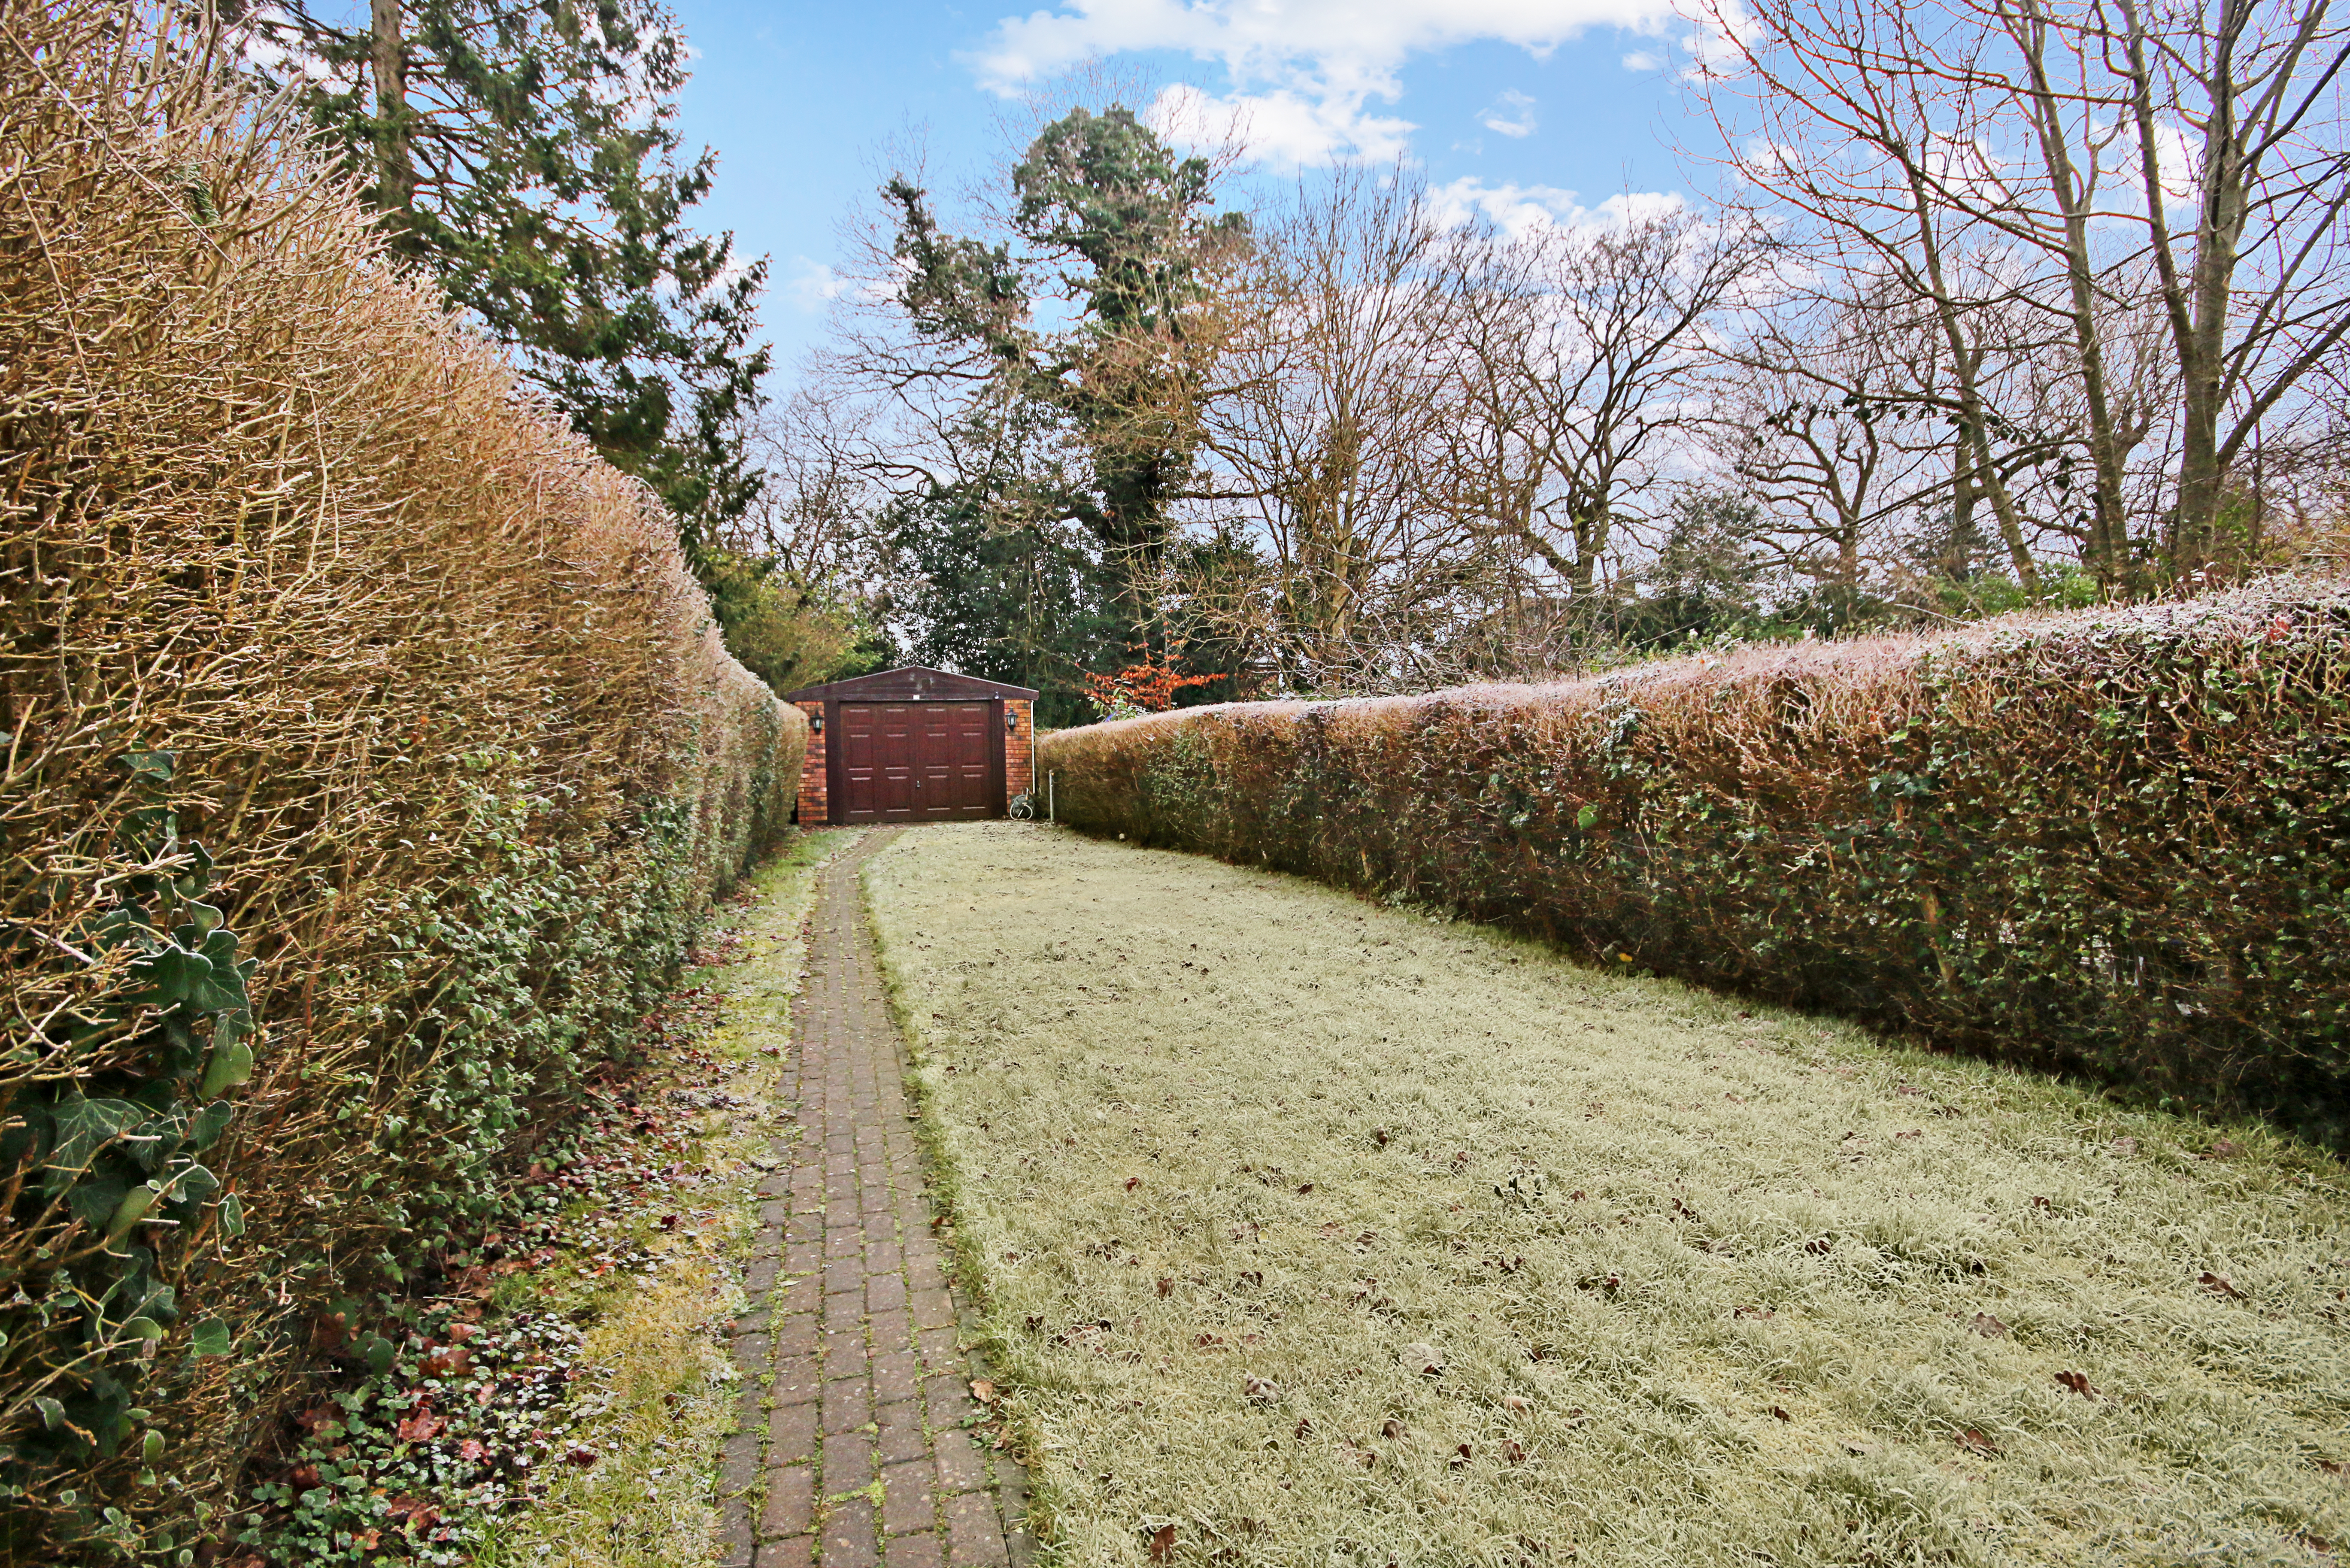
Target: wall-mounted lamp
x: 815, y: 722
x: 1011, y: 720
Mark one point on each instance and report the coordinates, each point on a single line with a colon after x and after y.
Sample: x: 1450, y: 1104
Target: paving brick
x: 796, y: 1335
x: 790, y: 1507
x: 906, y: 1499
x: 902, y: 1435
x: 848, y: 1539
x: 795, y: 1381
x: 891, y: 1332
x: 933, y: 1309
x: 974, y: 1536
x: 738, y: 1463
x: 958, y: 1463
x: 848, y: 1463
x: 800, y: 1552
x: 791, y: 1434
x: 735, y: 1534
x: 947, y: 1400
x: 913, y: 1552
x: 897, y: 1375
x: 847, y: 1404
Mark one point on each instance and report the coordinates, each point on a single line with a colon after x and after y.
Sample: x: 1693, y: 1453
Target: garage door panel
x: 878, y: 744
x: 957, y: 783
x: 916, y: 762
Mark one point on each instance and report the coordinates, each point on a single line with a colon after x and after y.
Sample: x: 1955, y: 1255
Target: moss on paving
x: 1239, y: 1157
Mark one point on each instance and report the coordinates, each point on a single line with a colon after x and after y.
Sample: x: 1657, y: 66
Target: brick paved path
x: 849, y: 1354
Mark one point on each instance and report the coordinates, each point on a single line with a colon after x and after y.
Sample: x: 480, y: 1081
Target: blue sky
x: 1503, y: 101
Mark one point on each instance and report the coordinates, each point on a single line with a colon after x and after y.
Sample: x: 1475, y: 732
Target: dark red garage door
x: 919, y: 762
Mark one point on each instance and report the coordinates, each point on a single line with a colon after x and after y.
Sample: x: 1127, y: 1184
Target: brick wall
x: 1019, y: 742
x: 813, y: 776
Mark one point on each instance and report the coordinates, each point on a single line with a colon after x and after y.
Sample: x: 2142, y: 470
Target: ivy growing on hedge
x: 368, y: 762
x: 2111, y: 842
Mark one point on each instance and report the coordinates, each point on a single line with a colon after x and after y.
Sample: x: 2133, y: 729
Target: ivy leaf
x: 210, y: 1338
x: 232, y: 1063
x: 194, y: 1184
x: 92, y: 1202
x: 84, y: 1125
x: 204, y: 1130
x: 190, y: 883
x: 131, y: 1209
x: 203, y: 921
x: 1588, y: 818
x: 232, y: 1211
x: 153, y: 766
x: 171, y: 975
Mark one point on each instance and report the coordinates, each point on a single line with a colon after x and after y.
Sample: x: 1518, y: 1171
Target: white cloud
x: 1280, y: 127
x: 1305, y: 70
x: 812, y: 285
x: 1511, y: 114
x: 1519, y: 210
x: 1642, y: 60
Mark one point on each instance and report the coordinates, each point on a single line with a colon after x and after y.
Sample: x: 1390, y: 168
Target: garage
x: 914, y: 745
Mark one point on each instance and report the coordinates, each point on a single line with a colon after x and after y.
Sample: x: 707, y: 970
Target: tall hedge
x: 370, y: 759
x: 2116, y: 843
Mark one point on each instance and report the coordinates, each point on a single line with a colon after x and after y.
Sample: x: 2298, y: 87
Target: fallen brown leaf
x: 421, y: 1427
x: 1162, y: 1544
x: 2078, y: 1382
x: 1989, y: 1327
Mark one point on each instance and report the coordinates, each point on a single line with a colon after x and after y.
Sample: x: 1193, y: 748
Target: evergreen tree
x: 1113, y: 229
x: 526, y: 155
x: 1029, y: 603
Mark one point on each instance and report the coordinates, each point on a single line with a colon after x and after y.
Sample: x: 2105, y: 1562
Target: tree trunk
x: 395, y: 169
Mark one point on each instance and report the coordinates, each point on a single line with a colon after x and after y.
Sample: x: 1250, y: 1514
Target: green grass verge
x: 660, y: 1393
x: 1313, y: 1232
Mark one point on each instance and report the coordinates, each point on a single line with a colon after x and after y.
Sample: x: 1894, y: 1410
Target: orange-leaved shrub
x: 2113, y: 842
x: 371, y: 760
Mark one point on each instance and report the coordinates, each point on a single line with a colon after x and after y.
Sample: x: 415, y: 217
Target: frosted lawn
x: 1319, y: 1232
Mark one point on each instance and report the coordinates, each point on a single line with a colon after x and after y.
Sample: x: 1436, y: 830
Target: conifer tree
x: 526, y: 154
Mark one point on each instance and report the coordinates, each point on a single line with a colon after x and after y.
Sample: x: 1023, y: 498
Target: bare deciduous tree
x: 2084, y: 160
